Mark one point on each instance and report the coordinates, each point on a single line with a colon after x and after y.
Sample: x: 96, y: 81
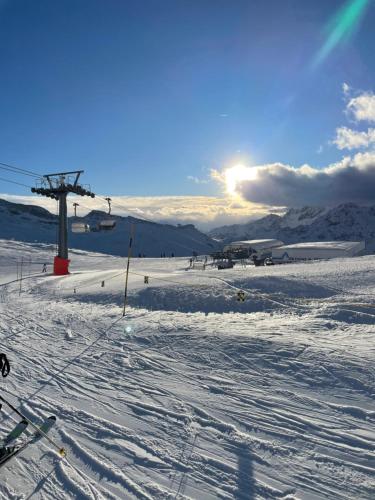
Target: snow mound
x: 203, y: 299
x: 266, y: 294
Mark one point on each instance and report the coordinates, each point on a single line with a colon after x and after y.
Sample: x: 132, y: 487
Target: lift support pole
x: 63, y: 226
x: 58, y: 186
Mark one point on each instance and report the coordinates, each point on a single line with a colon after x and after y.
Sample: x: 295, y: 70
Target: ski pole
x: 61, y: 451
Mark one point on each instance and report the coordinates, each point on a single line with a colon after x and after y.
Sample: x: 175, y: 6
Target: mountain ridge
x: 347, y: 221
x: 34, y: 224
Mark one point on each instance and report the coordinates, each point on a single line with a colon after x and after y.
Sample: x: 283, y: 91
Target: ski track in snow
x: 272, y: 398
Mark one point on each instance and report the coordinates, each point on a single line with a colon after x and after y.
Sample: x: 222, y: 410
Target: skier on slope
x: 44, y: 270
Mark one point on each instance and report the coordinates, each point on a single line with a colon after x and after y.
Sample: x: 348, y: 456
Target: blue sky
x: 144, y: 94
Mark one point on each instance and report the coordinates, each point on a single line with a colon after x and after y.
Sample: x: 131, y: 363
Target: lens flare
x: 236, y: 174
x: 341, y: 27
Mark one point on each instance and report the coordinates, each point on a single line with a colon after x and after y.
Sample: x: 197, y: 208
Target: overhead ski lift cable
x: 14, y: 182
x: 132, y: 213
x: 138, y: 216
x: 22, y: 171
x: 119, y: 207
x: 17, y: 170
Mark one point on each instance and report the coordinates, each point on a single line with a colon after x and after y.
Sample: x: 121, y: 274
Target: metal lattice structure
x: 58, y: 186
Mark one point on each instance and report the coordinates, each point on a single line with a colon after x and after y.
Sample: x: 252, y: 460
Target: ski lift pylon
x: 110, y: 223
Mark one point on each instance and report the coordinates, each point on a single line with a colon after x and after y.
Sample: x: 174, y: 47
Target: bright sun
x: 237, y: 174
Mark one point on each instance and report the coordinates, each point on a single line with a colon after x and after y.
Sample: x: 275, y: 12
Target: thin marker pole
x: 132, y: 229
x: 21, y: 277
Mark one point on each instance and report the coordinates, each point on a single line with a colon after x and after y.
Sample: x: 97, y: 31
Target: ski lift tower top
x: 58, y: 186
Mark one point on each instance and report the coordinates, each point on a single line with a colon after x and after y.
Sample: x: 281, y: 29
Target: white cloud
x: 274, y: 187
x: 345, y: 88
x: 347, y: 138
x: 203, y: 211
x: 362, y: 107
x: 351, y: 179
x: 196, y: 180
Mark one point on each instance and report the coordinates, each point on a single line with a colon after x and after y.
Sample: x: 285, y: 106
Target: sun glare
x: 236, y: 174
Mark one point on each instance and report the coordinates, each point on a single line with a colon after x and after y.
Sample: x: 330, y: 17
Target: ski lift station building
x: 317, y: 250
x: 253, y: 247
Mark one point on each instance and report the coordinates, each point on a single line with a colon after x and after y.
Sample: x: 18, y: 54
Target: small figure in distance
x: 44, y: 270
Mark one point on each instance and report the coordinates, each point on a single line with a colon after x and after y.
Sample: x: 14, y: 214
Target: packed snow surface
x: 193, y: 394
x: 254, y: 244
x: 330, y: 245
x: 320, y: 250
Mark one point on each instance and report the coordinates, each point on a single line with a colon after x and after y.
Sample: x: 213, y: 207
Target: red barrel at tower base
x: 60, y: 266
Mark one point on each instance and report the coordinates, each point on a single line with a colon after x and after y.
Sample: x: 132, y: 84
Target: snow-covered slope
x: 305, y: 216
x: 345, y: 222
x: 193, y: 395
x: 35, y: 224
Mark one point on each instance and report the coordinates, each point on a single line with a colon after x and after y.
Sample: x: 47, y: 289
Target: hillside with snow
x: 345, y: 222
x: 37, y: 225
x: 193, y: 394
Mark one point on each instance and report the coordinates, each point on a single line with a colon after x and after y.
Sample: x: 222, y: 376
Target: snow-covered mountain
x: 35, y: 224
x: 345, y: 222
